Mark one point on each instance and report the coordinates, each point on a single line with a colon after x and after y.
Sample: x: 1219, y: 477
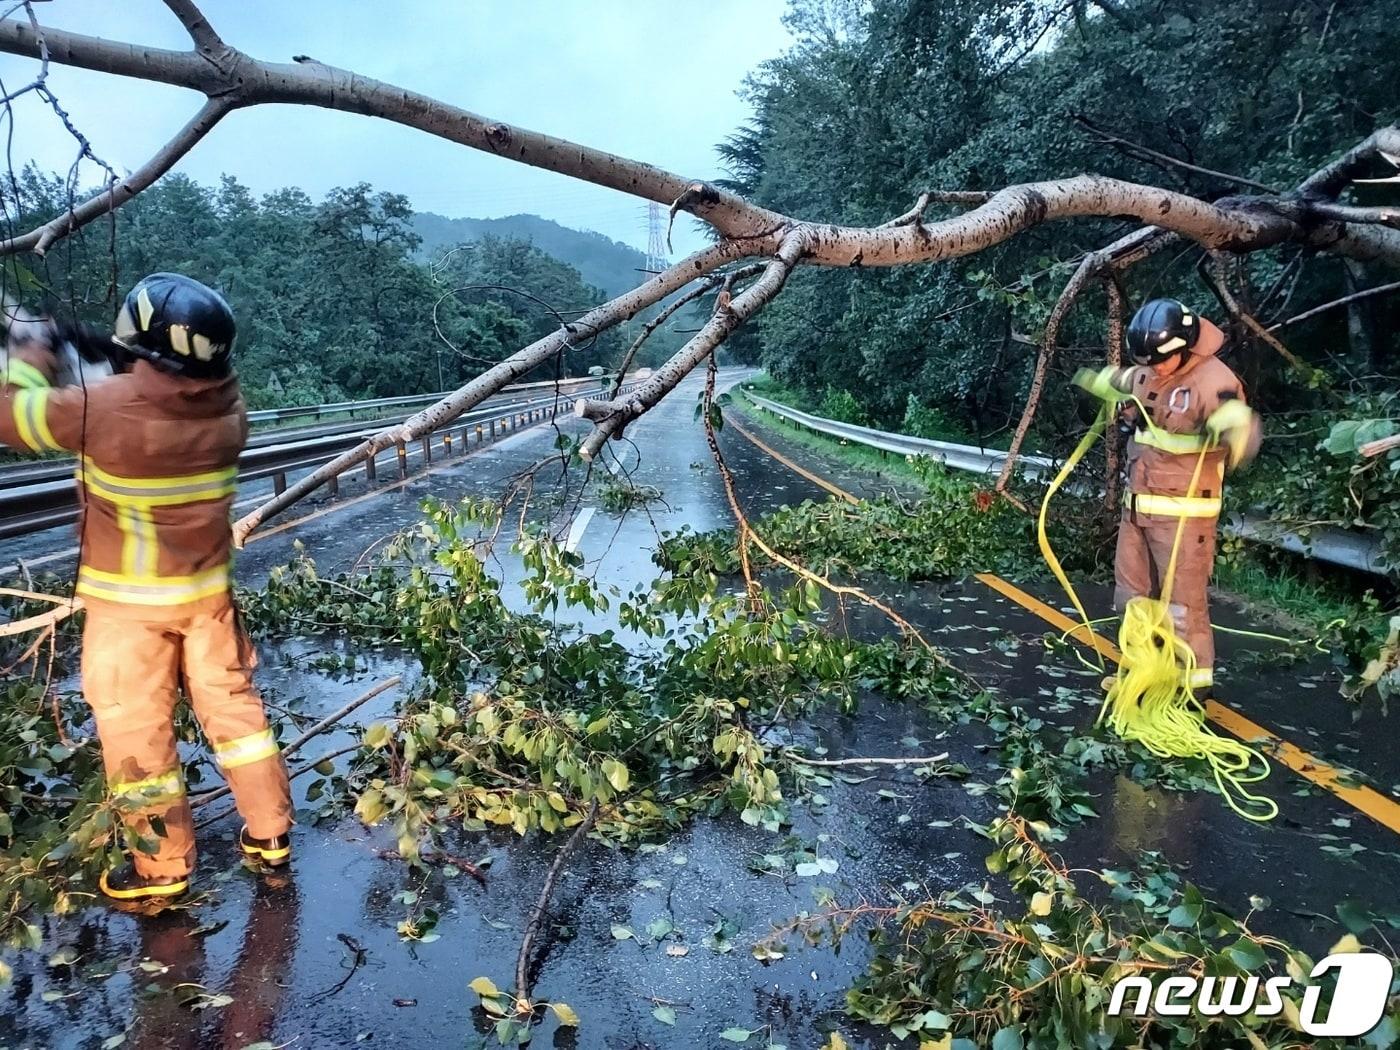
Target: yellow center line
x: 1367, y: 800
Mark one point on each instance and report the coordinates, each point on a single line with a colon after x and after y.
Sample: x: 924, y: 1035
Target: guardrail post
x: 334, y: 485
x: 370, y: 470
x: 479, y: 432
x: 401, y: 451
x: 447, y: 443
x: 279, y: 483
x: 493, y: 430
x: 427, y: 449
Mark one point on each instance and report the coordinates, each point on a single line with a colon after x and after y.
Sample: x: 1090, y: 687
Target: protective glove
x: 1232, y: 425
x: 1101, y: 383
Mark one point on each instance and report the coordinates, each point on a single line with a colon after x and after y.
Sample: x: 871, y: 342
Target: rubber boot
x: 125, y: 883
x: 274, y: 852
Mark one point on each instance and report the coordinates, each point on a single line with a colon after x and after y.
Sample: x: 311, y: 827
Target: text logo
x: 1363, y: 985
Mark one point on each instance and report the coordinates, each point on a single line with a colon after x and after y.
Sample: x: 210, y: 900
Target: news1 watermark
x: 1360, y: 992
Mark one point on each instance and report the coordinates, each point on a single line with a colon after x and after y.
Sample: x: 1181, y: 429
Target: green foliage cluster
x: 877, y: 102
x: 967, y: 969
x: 331, y: 299
x: 519, y: 723
x: 956, y: 528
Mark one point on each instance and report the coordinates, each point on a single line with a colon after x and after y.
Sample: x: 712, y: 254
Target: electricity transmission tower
x: 658, y: 257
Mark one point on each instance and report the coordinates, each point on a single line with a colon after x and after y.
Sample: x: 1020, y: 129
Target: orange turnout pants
x: 132, y: 674
x: 1140, y: 565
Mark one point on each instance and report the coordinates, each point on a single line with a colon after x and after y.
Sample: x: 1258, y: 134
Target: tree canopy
x: 875, y: 103
x: 332, y: 299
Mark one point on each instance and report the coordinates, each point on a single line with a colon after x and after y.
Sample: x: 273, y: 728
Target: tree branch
x: 121, y: 191
x: 666, y: 312
x: 716, y: 331
x: 493, y: 379
x: 1328, y: 181
x: 1227, y: 299
x: 1231, y: 224
x: 1366, y: 293
x: 205, y: 38
x: 1123, y: 251
x: 916, y: 213
x: 1147, y: 153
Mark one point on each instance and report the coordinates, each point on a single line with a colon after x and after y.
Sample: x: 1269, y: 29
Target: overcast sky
x: 655, y: 80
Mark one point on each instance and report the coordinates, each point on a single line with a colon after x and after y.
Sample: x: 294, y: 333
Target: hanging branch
x: 122, y: 190
x: 1113, y: 442
x: 611, y: 416
x: 1122, y: 252
x: 707, y: 285
x: 1145, y: 153
x: 1214, y: 275
x: 1383, y: 289
x: 591, y: 324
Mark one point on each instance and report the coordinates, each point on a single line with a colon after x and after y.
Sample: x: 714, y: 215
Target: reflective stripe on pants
x: 131, y: 671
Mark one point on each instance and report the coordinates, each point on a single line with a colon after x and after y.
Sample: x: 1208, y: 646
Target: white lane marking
x: 576, y: 530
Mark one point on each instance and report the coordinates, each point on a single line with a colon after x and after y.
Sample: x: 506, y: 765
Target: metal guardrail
x: 269, y: 415
x: 52, y: 501
x: 1352, y: 550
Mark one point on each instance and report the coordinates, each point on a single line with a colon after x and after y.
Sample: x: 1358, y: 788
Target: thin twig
x: 329, y: 722
x: 1366, y: 293
x: 360, y: 952
x: 802, y: 759
x: 522, y: 961
x: 1147, y: 153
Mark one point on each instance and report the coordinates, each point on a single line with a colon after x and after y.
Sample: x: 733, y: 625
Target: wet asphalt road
x: 278, y: 951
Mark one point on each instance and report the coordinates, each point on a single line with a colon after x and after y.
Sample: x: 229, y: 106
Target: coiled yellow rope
x: 1150, y: 700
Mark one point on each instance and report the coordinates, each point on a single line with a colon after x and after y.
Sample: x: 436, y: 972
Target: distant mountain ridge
x: 601, y: 261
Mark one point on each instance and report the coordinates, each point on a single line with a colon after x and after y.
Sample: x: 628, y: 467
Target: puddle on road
x: 271, y: 959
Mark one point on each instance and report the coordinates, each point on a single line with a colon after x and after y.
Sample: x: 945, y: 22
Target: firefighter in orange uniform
x: 1194, y: 404
x: 157, y: 450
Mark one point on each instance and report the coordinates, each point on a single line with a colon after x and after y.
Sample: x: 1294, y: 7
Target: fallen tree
x: 1311, y: 216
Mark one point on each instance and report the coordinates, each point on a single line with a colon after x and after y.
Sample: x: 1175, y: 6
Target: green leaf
x: 1184, y: 915
x: 1245, y: 954
x: 486, y: 987
x: 665, y: 1014
x: 622, y: 933
x: 1354, y: 917
x: 1008, y: 1039
x: 736, y: 1035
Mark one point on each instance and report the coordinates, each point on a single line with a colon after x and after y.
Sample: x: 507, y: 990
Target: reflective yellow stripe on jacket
x: 145, y: 493
x: 23, y: 375
x: 1173, y: 506
x: 134, y: 589
x: 31, y: 419
x: 1180, y: 444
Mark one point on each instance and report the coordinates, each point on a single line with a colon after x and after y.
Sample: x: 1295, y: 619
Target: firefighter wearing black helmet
x: 1183, y: 406
x: 158, y: 447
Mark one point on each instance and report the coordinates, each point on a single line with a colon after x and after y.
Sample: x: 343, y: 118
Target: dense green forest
x: 607, y: 264
x: 877, y: 102
x: 335, y: 299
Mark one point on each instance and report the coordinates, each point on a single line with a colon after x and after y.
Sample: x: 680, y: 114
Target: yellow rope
x: 1150, y: 699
